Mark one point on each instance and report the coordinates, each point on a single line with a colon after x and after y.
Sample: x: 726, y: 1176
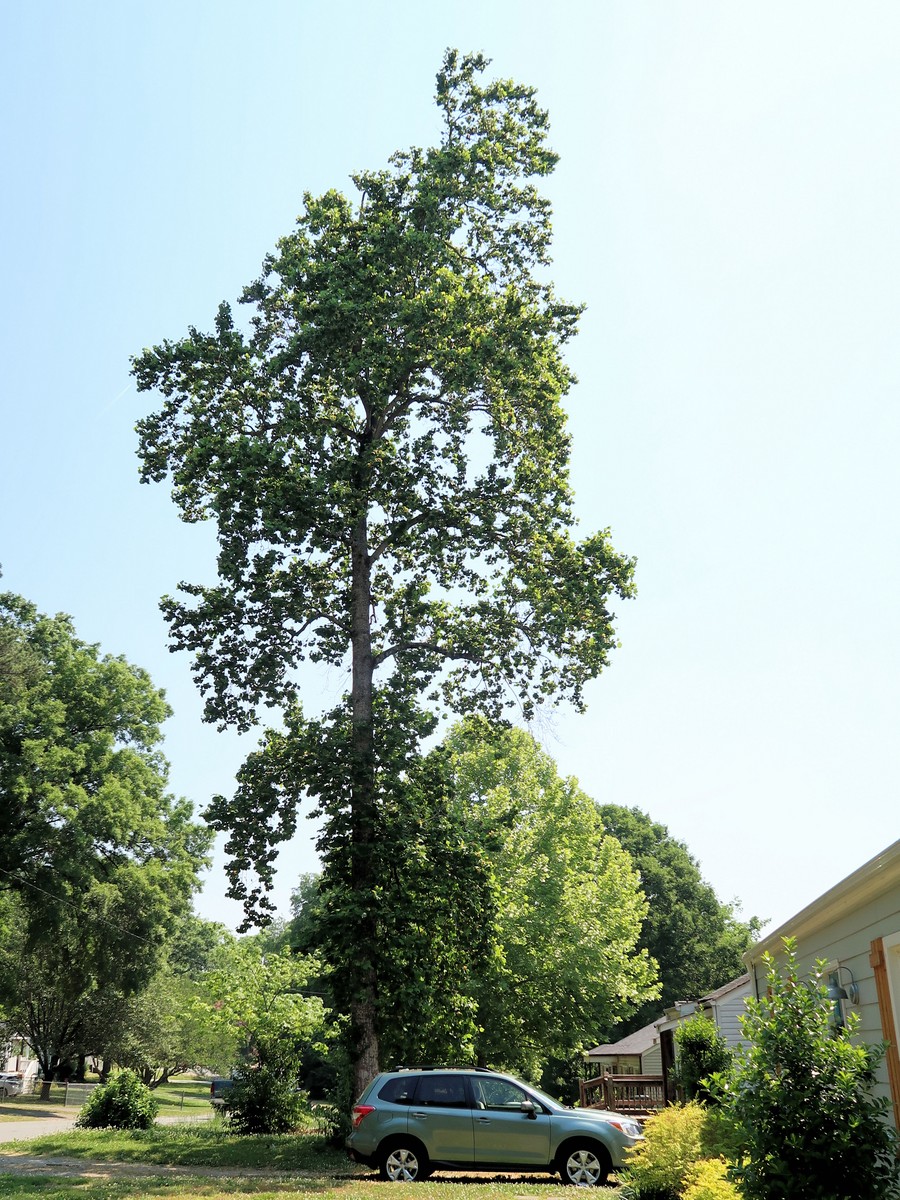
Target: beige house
x: 637, y: 1054
x: 855, y: 928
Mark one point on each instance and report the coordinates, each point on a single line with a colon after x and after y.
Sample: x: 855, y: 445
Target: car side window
x: 442, y: 1091
x: 398, y: 1090
x: 500, y: 1093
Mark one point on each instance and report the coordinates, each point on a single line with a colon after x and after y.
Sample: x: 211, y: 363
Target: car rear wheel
x: 404, y: 1162
x: 583, y: 1164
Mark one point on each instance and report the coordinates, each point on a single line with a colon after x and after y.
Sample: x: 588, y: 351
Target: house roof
x: 638, y: 1042
x: 870, y: 880
x: 725, y: 989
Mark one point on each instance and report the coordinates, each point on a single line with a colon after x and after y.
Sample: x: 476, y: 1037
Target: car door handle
x: 484, y: 1120
x: 421, y: 1115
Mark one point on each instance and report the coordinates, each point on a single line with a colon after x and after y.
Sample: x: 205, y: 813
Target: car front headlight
x: 631, y: 1129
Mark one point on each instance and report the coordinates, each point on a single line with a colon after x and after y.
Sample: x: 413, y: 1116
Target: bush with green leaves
x: 659, y: 1166
x: 265, y: 1099
x: 801, y: 1098
x: 123, y: 1103
x: 702, y: 1052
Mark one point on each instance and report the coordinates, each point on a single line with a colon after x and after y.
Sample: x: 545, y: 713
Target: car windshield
x: 545, y: 1098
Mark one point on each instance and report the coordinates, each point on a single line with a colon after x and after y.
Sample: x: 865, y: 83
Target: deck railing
x: 636, y: 1095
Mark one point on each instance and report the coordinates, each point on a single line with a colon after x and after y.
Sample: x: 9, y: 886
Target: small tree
x: 259, y: 999
x: 702, y: 1052
x: 801, y: 1099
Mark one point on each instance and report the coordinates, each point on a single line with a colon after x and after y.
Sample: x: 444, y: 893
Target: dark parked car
x: 218, y: 1091
x: 413, y: 1120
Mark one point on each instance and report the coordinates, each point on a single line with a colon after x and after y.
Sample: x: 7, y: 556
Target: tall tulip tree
x: 383, y: 448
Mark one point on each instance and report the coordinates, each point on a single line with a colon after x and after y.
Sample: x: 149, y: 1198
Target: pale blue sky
x: 726, y: 205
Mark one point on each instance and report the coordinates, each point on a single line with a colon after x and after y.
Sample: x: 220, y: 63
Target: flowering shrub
x: 659, y: 1166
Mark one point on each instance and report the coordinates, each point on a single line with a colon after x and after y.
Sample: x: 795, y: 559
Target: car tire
x: 583, y: 1164
x: 404, y: 1162
x: 4, y: 1093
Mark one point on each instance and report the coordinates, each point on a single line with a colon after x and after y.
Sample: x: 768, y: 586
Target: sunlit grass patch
x: 208, y: 1145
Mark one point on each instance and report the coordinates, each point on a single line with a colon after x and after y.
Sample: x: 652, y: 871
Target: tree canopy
x: 86, y: 823
x: 569, y: 905
x: 98, y: 861
x: 695, y: 938
x: 382, y: 447
x: 508, y: 920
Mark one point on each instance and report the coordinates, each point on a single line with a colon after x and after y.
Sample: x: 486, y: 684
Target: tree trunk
x: 363, y: 816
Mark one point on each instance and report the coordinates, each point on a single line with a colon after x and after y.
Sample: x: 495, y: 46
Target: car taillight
x: 359, y: 1112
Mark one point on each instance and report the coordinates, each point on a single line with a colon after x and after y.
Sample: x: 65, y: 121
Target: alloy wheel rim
x: 403, y: 1165
x: 583, y: 1167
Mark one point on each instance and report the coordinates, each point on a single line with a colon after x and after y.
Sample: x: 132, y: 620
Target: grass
x: 181, y: 1096
x: 328, y: 1175
x: 153, y: 1188
x: 206, y: 1145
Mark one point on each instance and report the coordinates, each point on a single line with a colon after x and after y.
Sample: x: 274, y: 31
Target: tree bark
x: 363, y: 812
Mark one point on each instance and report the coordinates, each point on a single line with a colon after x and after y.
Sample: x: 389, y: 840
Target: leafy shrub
x: 123, y: 1103
x: 659, y: 1166
x: 702, y: 1052
x: 707, y: 1180
x: 264, y: 1100
x: 801, y: 1100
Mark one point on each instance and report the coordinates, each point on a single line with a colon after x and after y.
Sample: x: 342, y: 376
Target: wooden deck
x: 634, y: 1095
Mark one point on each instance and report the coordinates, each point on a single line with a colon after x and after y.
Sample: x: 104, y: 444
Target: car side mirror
x: 529, y: 1110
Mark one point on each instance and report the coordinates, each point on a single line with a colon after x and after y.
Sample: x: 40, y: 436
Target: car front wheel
x: 404, y: 1162
x: 583, y: 1165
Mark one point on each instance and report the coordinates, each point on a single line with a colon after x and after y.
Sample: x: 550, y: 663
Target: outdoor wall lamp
x: 836, y: 992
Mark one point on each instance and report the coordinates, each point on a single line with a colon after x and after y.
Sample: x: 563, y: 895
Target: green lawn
x: 325, y: 1188
x: 184, y: 1094
x: 206, y: 1145
x: 326, y: 1172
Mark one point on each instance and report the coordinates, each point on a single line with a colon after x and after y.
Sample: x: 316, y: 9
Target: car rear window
x: 442, y: 1091
x: 398, y: 1090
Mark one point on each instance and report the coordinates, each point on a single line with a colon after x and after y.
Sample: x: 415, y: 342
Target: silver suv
x: 413, y: 1120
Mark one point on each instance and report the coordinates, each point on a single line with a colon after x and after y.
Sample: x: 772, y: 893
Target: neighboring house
x: 724, y: 1007
x: 855, y: 928
x: 637, y: 1054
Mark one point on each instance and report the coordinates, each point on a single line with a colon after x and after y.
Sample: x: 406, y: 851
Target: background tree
x: 384, y: 452
x: 568, y: 909
x: 97, y: 861
x: 86, y: 823
x: 166, y: 1030
x: 261, y: 1001
x: 695, y: 939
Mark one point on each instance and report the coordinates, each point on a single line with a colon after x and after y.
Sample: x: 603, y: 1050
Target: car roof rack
x: 441, y: 1067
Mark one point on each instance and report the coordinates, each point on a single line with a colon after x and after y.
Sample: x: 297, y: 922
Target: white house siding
x: 843, y: 937
x: 728, y: 1011
x: 652, y: 1061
